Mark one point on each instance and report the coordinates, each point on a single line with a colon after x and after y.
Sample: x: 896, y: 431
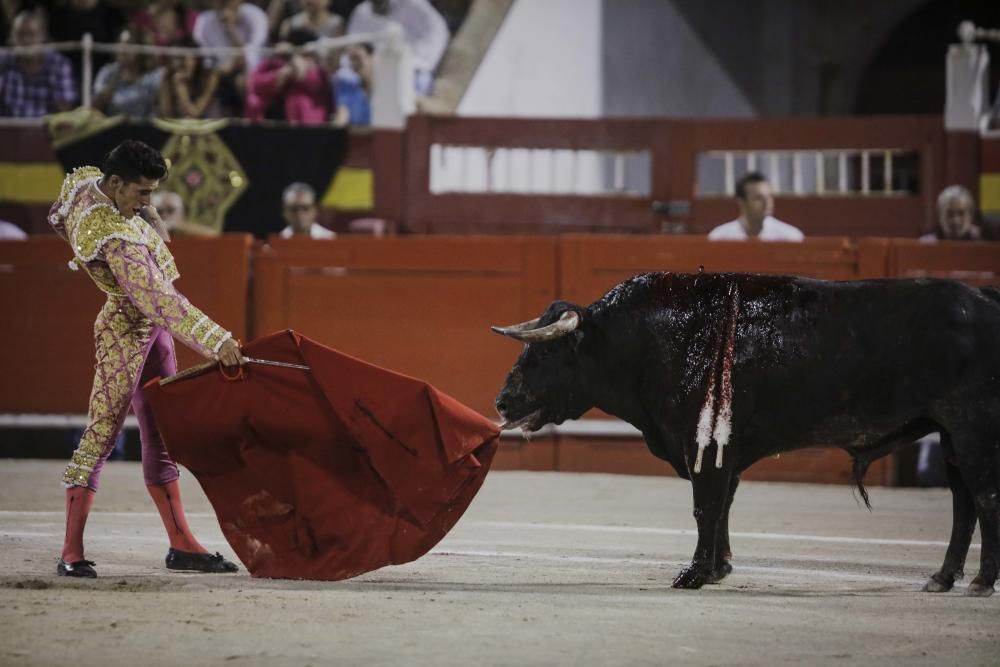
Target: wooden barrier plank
x: 973, y: 263
x: 46, y: 337
x: 630, y: 456
x: 591, y: 265
x: 418, y: 305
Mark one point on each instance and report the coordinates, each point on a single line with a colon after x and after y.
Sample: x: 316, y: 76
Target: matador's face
x: 131, y: 197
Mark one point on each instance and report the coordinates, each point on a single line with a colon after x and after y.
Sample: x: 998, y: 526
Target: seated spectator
x: 292, y: 85
x: 956, y: 216
x: 753, y: 194
x: 170, y: 206
x: 425, y: 30
x: 236, y: 24
x: 188, y: 87
x: 315, y: 16
x: 33, y: 85
x: 11, y: 232
x: 164, y: 23
x: 352, y: 87
x: 127, y: 86
x: 70, y: 21
x: 299, y: 201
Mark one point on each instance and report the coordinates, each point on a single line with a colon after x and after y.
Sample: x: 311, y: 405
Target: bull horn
x: 568, y: 322
x: 517, y: 328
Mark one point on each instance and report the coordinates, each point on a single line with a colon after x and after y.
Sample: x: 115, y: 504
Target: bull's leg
x: 988, y: 508
x: 723, y: 551
x: 963, y: 524
x: 711, y: 498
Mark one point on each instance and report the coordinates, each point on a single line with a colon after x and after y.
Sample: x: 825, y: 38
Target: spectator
x: 753, y: 194
x: 291, y: 85
x: 11, y: 232
x: 956, y: 216
x: 299, y: 200
x: 424, y: 28
x: 352, y: 87
x: 188, y: 87
x: 71, y: 20
x: 170, y: 206
x: 36, y: 84
x: 164, y: 23
x: 315, y: 16
x: 235, y: 24
x: 127, y: 86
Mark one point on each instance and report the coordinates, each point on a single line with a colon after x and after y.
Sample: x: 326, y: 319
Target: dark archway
x: 907, y: 74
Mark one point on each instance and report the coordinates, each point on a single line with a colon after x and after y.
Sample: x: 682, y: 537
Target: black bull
x: 721, y: 370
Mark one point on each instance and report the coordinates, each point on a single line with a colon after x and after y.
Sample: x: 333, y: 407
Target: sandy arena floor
x: 544, y: 569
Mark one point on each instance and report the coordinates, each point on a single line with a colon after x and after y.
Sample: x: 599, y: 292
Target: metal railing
x: 88, y: 47
x: 848, y: 171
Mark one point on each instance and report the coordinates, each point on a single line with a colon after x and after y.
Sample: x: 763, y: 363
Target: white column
x: 393, y: 96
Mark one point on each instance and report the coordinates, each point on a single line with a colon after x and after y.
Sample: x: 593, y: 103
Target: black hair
x: 300, y: 36
x: 747, y: 179
x: 133, y: 160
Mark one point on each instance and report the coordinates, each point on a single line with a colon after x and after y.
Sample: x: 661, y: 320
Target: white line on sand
x: 580, y: 527
x: 748, y: 569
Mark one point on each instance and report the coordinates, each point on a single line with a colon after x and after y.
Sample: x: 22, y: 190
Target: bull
x: 718, y: 371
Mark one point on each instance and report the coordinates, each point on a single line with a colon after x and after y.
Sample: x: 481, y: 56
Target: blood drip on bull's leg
x: 714, y: 425
x: 724, y: 420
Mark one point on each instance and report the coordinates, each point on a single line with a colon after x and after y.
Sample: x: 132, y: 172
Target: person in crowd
x: 956, y: 220
x: 170, y: 206
x: 188, y: 87
x: 164, y: 23
x: 352, y: 86
x: 756, y: 204
x: 70, y: 21
x: 299, y: 204
x: 127, y: 86
x: 117, y: 239
x: 233, y: 24
x: 34, y: 84
x: 292, y: 85
x: 11, y: 232
x: 424, y: 28
x: 315, y: 16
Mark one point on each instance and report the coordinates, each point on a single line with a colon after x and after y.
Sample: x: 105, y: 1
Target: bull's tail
x: 858, y: 472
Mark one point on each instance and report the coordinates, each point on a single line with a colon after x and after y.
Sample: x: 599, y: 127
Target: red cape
x: 326, y: 473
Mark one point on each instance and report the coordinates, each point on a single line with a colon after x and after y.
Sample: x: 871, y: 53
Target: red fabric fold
x: 327, y: 473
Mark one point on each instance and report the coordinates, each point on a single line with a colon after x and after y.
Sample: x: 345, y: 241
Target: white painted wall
x: 545, y: 61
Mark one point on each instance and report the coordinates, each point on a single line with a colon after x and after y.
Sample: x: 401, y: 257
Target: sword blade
x: 279, y: 364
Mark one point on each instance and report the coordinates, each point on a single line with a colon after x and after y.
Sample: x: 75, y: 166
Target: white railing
x: 828, y: 172
x: 487, y: 170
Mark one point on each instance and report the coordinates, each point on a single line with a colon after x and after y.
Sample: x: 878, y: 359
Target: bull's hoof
x: 939, y: 584
x: 692, y: 578
x: 978, y: 589
x: 720, y: 572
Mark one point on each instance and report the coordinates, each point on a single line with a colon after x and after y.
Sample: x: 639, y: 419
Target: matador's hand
x: 230, y: 355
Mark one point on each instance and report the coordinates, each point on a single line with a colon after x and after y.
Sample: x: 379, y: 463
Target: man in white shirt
x: 753, y: 194
x: 299, y: 201
x: 425, y: 29
x: 233, y: 23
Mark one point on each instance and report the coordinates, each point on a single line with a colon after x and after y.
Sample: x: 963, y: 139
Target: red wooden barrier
x: 417, y: 305
x: 46, y: 333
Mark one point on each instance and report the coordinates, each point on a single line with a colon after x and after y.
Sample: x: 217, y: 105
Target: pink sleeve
x: 149, y: 290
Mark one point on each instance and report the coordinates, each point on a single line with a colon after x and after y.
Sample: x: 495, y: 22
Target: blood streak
x: 723, y: 377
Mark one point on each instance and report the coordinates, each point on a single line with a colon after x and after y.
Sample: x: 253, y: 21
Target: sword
x: 212, y: 365
x: 280, y: 364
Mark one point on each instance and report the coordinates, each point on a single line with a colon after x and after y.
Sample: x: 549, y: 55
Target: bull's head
x: 545, y: 385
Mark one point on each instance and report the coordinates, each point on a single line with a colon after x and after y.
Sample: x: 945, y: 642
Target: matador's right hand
x: 230, y: 355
